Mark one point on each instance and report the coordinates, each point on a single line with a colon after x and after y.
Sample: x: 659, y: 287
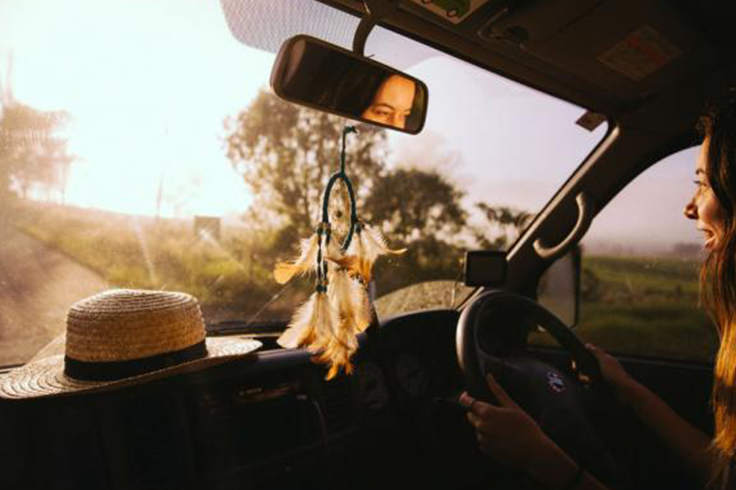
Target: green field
x: 643, y: 306
x: 229, y: 276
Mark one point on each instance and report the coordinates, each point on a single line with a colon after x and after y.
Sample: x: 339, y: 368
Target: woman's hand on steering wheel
x: 505, y: 433
x: 620, y: 381
x: 510, y: 436
x: 535, y: 438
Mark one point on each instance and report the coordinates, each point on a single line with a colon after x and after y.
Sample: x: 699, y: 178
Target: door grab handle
x: 585, y: 217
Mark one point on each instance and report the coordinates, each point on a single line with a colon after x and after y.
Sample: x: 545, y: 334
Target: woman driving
x: 509, y: 435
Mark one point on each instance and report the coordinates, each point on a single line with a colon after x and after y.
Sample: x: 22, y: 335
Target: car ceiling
x: 576, y: 50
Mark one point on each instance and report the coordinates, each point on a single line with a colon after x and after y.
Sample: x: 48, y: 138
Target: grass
x: 645, y: 275
x: 643, y: 306
x: 657, y: 329
x: 134, y: 252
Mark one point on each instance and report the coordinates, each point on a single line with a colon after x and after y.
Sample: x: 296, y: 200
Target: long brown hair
x: 718, y: 280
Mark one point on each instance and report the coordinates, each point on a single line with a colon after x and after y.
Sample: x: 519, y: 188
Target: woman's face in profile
x: 392, y: 102
x: 704, y: 207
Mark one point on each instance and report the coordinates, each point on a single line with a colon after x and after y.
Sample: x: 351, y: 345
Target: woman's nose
x: 691, y: 210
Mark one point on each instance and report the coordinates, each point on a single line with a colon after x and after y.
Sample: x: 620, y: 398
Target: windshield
x: 141, y: 147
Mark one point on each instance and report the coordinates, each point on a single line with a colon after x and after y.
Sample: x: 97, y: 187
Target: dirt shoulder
x: 37, y: 285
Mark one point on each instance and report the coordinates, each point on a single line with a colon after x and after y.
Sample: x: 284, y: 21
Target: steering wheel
x: 488, y: 339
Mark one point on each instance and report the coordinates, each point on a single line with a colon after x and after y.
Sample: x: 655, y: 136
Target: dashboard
x: 270, y: 421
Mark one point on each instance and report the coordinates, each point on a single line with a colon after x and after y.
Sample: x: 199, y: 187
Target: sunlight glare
x: 147, y: 105
x: 136, y: 225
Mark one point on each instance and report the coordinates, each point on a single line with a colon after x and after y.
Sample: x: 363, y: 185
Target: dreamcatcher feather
x: 335, y: 255
x: 351, y: 300
x: 313, y: 321
x: 284, y: 271
x: 328, y: 323
x: 365, y: 249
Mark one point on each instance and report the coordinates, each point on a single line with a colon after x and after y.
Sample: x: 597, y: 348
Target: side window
x: 640, y: 269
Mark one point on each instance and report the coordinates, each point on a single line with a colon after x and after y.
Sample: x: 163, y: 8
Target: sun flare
x: 146, y: 109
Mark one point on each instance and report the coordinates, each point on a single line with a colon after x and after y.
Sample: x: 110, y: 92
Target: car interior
x: 646, y: 68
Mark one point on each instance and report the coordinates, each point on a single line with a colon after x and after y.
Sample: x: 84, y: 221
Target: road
x: 37, y: 285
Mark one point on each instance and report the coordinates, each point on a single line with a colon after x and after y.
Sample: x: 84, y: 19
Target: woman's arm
x: 510, y: 436
x: 687, y: 441
x: 555, y: 469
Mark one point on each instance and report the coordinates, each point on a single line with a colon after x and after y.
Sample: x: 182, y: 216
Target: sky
x: 148, y: 100
x: 648, y: 214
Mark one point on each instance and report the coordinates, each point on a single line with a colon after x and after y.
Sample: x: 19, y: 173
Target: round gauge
x: 372, y: 387
x: 412, y: 376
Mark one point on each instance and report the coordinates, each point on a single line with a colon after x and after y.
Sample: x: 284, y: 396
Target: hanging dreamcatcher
x: 328, y: 323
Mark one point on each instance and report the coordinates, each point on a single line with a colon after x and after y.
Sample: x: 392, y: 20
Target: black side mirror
x: 559, y: 287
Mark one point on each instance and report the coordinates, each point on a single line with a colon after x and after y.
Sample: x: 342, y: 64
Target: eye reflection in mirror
x: 392, y: 102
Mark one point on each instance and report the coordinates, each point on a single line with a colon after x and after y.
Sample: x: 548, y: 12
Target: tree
x: 286, y: 153
x: 423, y: 210
x: 426, y: 259
x: 410, y: 204
x: 30, y: 152
x: 503, y: 226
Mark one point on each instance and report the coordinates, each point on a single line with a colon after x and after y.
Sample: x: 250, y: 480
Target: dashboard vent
x: 338, y: 404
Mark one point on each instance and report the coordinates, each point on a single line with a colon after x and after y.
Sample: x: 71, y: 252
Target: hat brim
x: 44, y: 377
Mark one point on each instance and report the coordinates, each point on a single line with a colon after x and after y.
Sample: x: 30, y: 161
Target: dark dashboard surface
x: 269, y: 422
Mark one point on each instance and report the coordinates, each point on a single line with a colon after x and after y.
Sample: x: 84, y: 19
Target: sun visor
x: 266, y: 24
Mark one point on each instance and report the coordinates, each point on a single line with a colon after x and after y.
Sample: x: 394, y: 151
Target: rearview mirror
x: 322, y: 76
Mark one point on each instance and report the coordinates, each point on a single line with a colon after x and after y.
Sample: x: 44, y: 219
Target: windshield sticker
x: 641, y: 53
x: 453, y: 10
x: 328, y: 323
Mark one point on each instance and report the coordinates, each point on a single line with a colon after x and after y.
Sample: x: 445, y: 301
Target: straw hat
x: 120, y: 338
